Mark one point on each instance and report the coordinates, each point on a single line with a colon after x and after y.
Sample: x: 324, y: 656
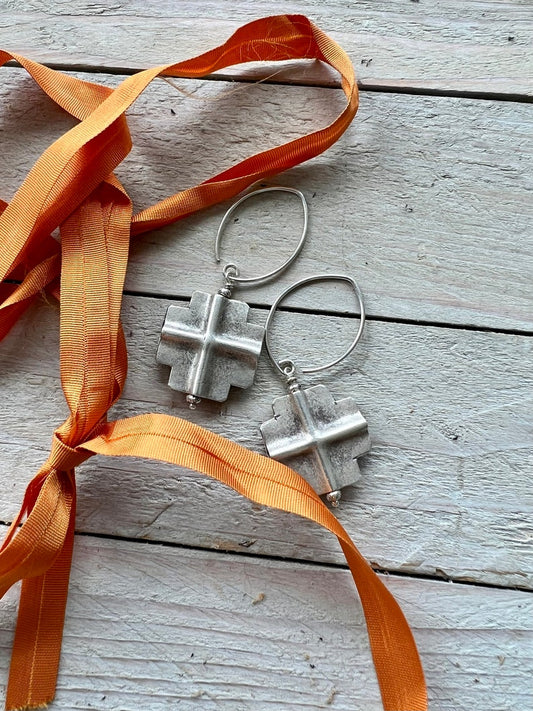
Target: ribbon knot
x: 63, y: 457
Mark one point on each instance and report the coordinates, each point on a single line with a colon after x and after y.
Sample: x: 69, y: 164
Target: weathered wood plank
x: 446, y: 489
x: 459, y: 46
x: 427, y: 201
x: 156, y: 628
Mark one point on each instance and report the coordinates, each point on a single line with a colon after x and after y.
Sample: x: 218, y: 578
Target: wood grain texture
x: 455, y: 46
x: 150, y: 627
x: 445, y: 491
x: 425, y: 200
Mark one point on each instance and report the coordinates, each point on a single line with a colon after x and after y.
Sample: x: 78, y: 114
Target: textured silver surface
x: 318, y: 437
x: 210, y: 346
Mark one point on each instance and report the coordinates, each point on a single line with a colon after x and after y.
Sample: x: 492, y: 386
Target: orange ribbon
x: 72, y: 186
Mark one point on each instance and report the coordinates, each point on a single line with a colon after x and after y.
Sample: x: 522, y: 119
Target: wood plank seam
x: 362, y: 85
x: 247, y: 553
x: 471, y: 45
x: 335, y: 314
x: 193, y: 629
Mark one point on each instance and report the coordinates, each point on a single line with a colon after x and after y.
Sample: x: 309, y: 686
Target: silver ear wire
x: 235, y: 279
x: 310, y: 280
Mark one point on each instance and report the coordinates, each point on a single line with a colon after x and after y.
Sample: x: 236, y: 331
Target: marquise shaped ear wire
x: 319, y: 437
x: 210, y: 345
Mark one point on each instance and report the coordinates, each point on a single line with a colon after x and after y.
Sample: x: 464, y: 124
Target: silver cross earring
x: 210, y: 345
x: 318, y: 436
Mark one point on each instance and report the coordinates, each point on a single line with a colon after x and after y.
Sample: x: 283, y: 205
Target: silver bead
x: 192, y: 401
x: 334, y: 498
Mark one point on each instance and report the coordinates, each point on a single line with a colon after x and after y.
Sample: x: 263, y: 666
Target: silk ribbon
x: 72, y: 187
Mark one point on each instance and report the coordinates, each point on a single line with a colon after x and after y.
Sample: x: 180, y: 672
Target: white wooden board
x: 152, y: 627
x: 452, y: 46
x: 446, y: 490
x: 426, y: 201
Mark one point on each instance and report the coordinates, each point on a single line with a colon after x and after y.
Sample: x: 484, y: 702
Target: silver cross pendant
x: 318, y: 437
x: 210, y: 346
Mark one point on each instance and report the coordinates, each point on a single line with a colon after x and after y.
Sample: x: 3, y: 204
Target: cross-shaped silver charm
x: 318, y: 437
x: 209, y: 346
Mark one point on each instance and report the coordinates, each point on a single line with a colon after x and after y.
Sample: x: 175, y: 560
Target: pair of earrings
x: 210, y: 346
